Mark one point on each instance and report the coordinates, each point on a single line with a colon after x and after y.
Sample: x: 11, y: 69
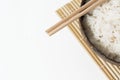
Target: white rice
x: 103, y: 28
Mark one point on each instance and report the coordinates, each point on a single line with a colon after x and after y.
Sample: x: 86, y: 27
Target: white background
x: 28, y: 53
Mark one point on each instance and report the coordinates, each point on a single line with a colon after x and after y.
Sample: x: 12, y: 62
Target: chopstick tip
x: 49, y: 34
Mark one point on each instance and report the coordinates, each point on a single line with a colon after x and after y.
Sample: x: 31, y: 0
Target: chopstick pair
x: 75, y: 15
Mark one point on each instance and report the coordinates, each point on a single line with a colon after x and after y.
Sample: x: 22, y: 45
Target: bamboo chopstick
x: 51, y: 31
x: 78, y: 13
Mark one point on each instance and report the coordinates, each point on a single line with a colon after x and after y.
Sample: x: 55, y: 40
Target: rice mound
x: 102, y: 27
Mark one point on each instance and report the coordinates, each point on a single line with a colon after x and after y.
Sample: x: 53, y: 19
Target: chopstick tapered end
x: 47, y: 31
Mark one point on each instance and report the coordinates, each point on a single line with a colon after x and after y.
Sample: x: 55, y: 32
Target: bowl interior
x: 97, y: 51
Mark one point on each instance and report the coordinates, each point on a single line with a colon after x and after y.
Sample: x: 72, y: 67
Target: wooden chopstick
x: 75, y: 15
x: 50, y: 30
